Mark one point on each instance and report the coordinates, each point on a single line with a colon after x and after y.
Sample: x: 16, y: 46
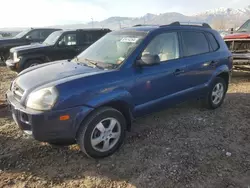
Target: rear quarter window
x: 194, y: 43
x: 213, y: 42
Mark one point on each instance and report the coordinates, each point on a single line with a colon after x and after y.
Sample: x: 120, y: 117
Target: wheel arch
x: 119, y: 105
x: 223, y: 72
x: 122, y: 107
x: 226, y: 77
x: 24, y: 59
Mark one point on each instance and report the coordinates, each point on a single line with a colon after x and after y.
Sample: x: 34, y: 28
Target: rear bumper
x: 47, y: 126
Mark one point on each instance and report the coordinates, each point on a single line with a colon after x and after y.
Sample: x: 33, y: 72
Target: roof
x: 175, y: 25
x: 87, y: 29
x: 45, y: 28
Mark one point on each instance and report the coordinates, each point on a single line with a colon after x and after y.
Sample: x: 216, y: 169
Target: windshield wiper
x: 90, y: 63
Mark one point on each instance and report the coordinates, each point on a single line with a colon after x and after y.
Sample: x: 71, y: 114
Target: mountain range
x: 220, y: 18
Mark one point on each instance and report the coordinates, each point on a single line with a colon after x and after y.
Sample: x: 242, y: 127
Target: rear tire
x: 217, y: 93
x: 102, y: 133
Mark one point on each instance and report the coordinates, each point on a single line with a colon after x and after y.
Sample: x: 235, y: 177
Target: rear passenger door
x: 198, y: 57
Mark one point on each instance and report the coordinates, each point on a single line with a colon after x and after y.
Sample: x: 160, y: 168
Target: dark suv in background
x: 64, y: 44
x: 32, y: 35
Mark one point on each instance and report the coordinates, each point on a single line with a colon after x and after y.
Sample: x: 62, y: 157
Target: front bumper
x: 11, y: 64
x: 47, y: 126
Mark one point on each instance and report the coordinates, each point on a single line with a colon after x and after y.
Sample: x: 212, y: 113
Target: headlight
x: 15, y: 58
x: 43, y: 99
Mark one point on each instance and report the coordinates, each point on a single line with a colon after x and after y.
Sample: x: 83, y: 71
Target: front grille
x: 238, y: 46
x: 17, y: 91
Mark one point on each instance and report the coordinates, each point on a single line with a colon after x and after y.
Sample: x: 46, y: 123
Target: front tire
x: 31, y: 63
x: 102, y: 133
x: 217, y: 93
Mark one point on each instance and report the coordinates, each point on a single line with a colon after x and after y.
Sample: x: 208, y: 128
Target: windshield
x: 112, y: 49
x: 21, y: 34
x: 245, y: 27
x: 52, y: 38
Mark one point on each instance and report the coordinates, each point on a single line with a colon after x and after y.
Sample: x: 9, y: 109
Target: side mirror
x: 28, y: 37
x: 148, y: 60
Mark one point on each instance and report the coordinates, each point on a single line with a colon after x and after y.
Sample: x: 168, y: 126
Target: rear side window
x: 97, y: 35
x: 213, y: 42
x: 85, y: 38
x: 89, y: 37
x: 195, y: 43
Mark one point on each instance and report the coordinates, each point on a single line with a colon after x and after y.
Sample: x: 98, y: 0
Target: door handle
x: 178, y: 72
x: 213, y: 63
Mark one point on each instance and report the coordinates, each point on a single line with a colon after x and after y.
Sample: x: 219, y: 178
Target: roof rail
x: 199, y: 24
x: 138, y: 25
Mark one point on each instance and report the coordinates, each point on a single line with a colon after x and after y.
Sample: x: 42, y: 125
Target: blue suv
x: 93, y: 99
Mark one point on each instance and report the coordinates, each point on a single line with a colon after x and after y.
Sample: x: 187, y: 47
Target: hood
x: 6, y: 41
x: 238, y: 36
x: 28, y: 47
x: 40, y: 75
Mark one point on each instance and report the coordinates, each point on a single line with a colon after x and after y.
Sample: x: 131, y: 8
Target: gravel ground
x: 185, y: 146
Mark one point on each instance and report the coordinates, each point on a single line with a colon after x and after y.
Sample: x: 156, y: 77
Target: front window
x: 112, y: 49
x: 52, y: 38
x: 23, y: 33
x: 165, y: 46
x: 68, y: 39
x: 245, y: 27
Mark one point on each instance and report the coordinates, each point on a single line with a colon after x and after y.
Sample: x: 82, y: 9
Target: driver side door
x: 156, y: 86
x: 66, y: 47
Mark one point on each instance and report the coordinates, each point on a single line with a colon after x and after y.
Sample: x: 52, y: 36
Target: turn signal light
x: 64, y: 117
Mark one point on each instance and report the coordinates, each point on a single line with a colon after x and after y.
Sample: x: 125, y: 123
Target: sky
x: 38, y: 13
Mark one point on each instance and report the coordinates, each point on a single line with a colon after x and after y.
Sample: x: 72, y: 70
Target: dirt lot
x: 185, y: 146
